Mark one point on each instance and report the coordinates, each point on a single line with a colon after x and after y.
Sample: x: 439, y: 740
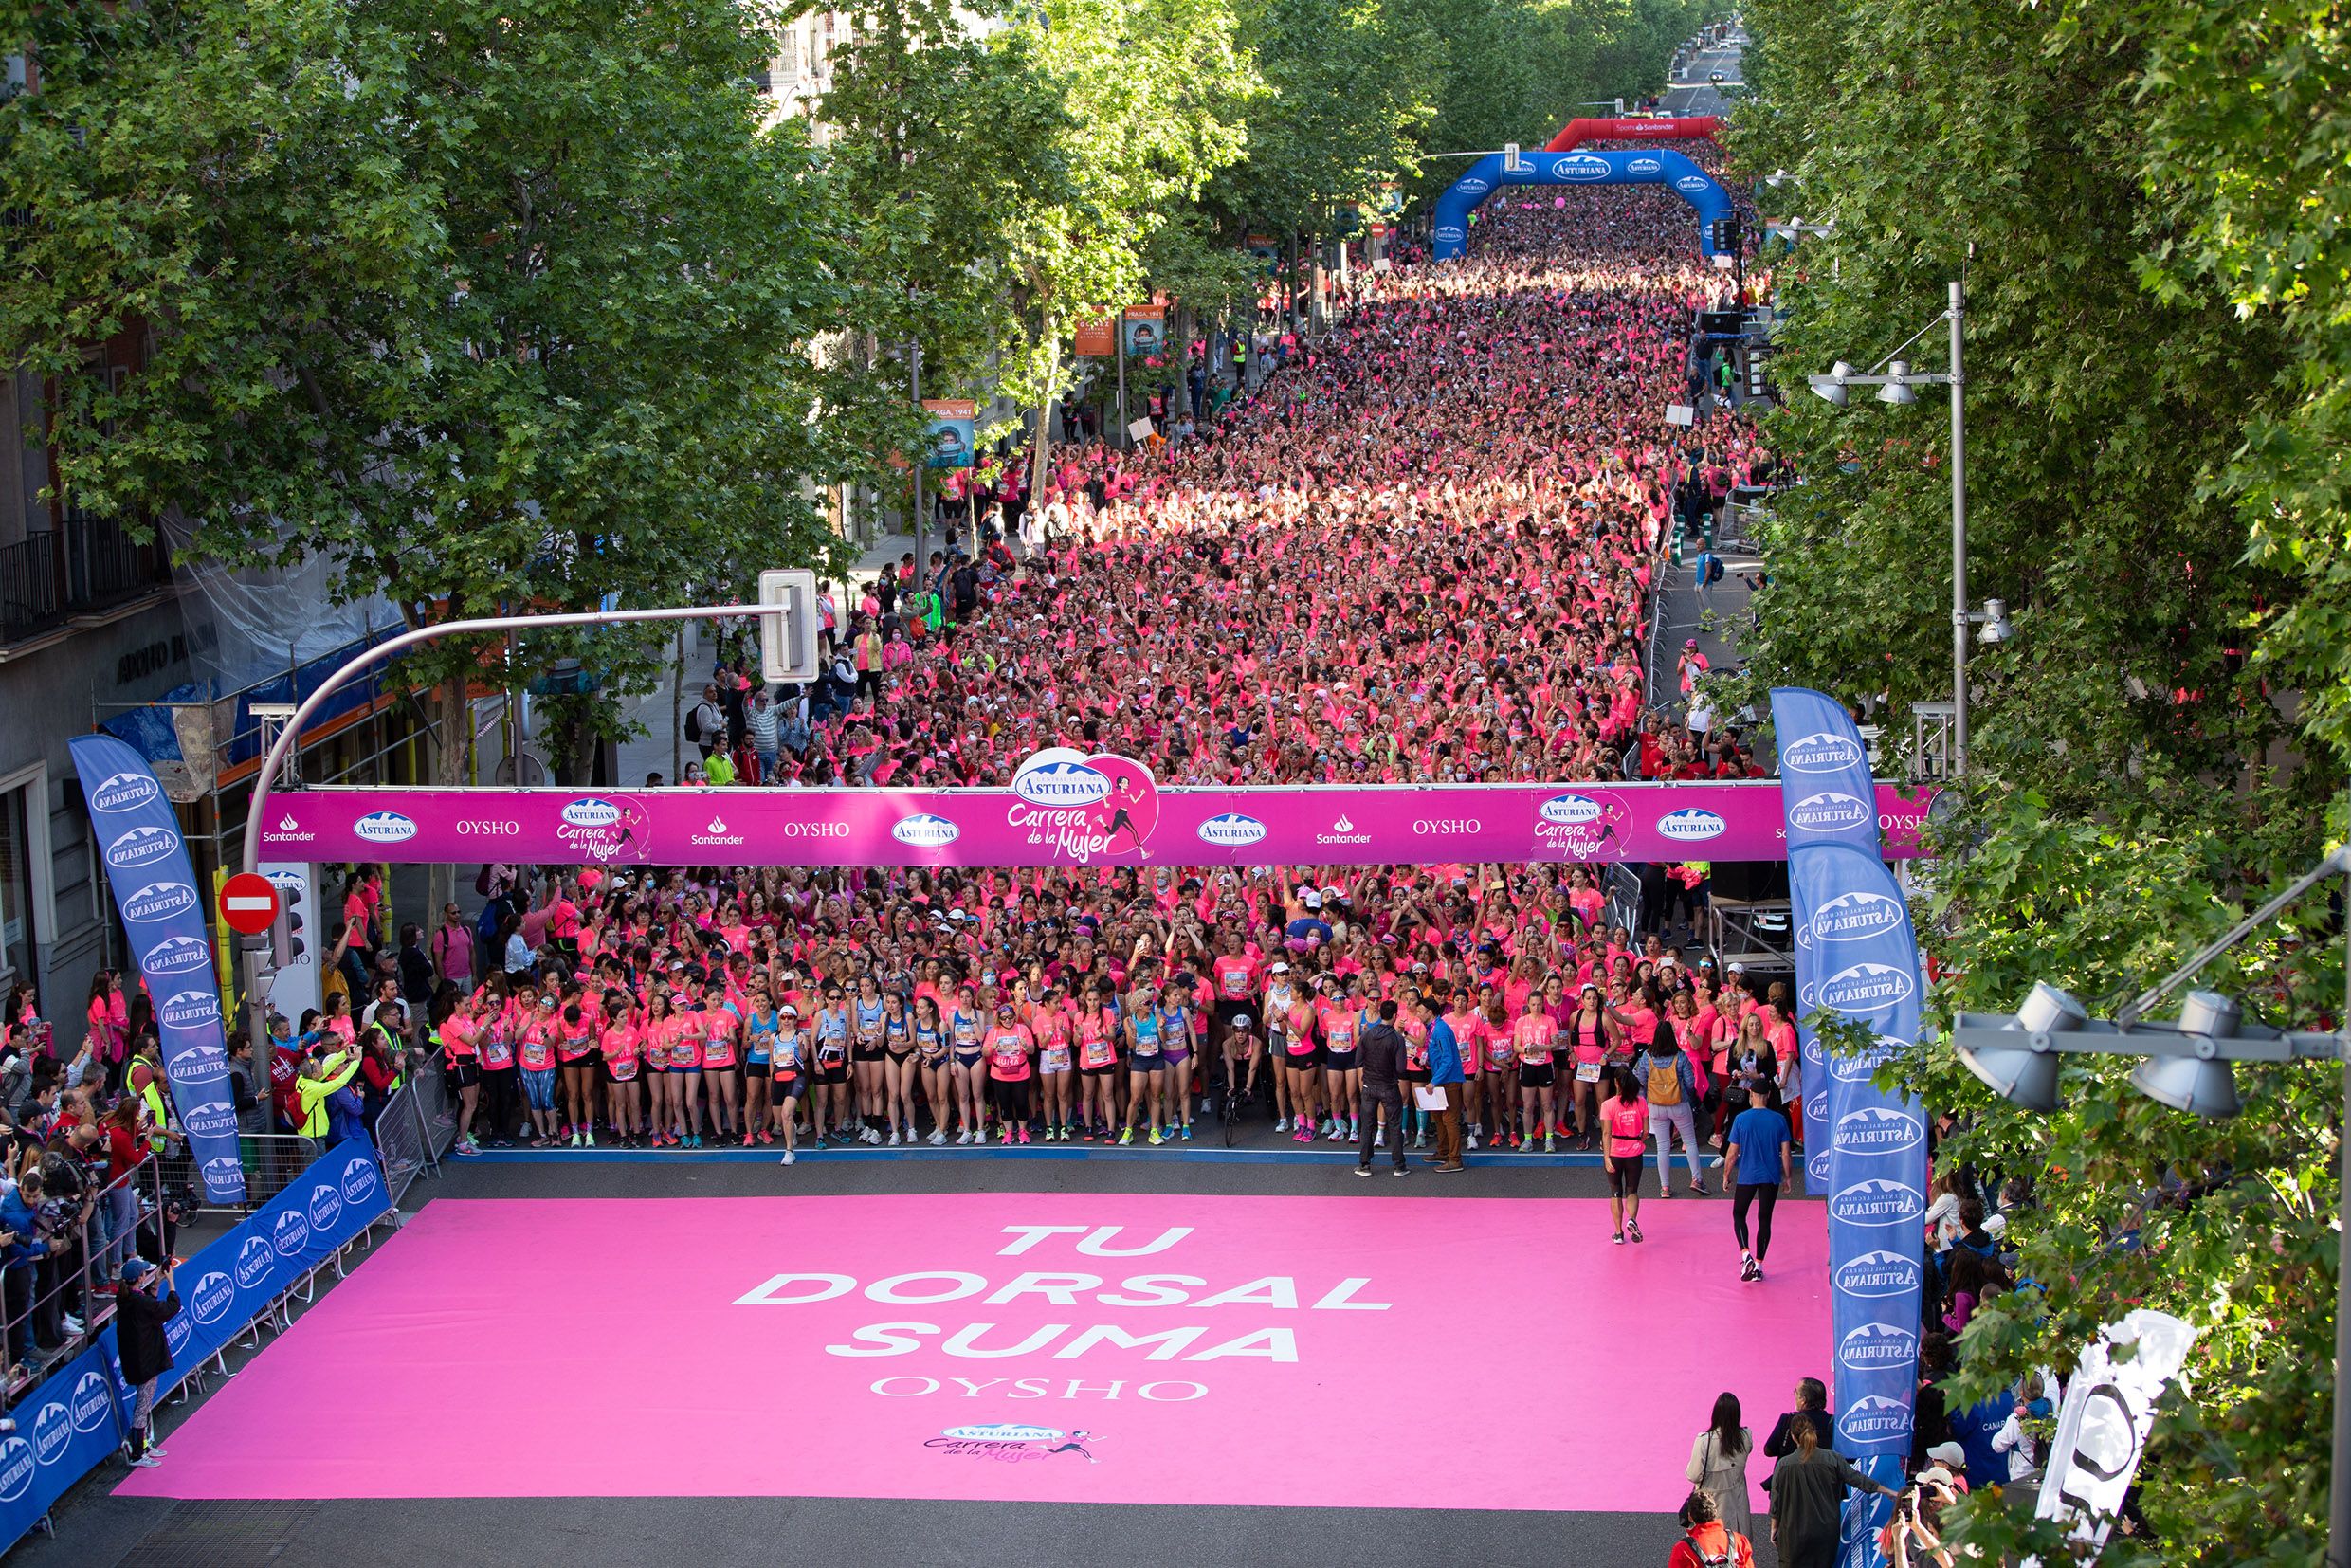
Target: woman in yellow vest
x: 321, y: 1076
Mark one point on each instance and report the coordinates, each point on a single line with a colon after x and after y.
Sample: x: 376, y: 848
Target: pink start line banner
x: 1066, y: 808
x: 1063, y: 1347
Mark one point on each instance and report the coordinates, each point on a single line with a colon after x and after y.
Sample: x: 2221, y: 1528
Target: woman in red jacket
x: 1706, y: 1543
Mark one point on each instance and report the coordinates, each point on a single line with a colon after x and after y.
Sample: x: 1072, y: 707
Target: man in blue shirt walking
x: 1445, y: 1078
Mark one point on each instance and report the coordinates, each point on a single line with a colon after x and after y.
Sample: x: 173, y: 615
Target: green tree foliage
x: 2140, y: 202
x: 460, y: 295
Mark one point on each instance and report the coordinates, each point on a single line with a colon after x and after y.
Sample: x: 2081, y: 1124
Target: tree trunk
x: 1051, y: 350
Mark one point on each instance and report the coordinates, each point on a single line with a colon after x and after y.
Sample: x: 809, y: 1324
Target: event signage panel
x: 1105, y: 811
x: 1857, y: 957
x: 134, y: 830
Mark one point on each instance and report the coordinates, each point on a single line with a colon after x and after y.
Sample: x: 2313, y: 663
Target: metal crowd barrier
x: 271, y: 1160
x: 52, y: 1306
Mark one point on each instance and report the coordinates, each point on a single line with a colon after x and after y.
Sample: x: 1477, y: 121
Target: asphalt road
x: 97, y: 1529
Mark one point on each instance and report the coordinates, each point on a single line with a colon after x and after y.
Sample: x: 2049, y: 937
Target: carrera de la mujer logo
x: 1011, y: 1442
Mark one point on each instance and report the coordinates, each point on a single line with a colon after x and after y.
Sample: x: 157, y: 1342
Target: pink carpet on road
x: 1063, y: 1347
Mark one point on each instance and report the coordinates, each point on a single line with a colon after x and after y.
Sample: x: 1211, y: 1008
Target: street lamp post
x: 1897, y: 386
x: 2187, y: 1066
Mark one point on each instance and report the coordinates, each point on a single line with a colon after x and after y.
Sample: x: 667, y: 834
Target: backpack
x: 1668, y: 1091
x: 1714, y: 569
x: 694, y: 725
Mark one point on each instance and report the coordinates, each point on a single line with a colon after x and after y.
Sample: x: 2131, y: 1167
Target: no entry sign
x: 248, y: 901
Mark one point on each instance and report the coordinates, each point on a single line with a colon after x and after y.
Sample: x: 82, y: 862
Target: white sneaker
x: 1474, y: 1141
x: 938, y: 1135
x: 72, y: 1324
x: 1280, y: 1124
x: 893, y: 1138
x: 788, y: 1157
x: 157, y: 1453
x: 964, y: 1136
x: 145, y: 1462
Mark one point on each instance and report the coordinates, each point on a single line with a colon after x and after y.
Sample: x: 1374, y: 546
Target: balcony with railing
x: 88, y: 565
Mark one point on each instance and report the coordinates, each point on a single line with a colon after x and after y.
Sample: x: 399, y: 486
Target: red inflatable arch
x: 1680, y: 128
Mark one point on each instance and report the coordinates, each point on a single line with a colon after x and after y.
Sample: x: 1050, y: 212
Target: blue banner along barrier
x: 133, y: 825
x: 80, y: 1414
x: 1857, y: 957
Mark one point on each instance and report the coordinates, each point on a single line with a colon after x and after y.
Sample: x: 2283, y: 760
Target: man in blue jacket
x: 1444, y: 1077
x: 20, y: 1245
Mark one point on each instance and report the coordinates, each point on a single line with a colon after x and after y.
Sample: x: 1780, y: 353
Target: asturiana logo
x: 1830, y: 811
x: 17, y: 1467
x: 290, y: 1234
x: 254, y: 1261
x: 177, y: 1332
x: 326, y: 1207
x: 52, y: 1430
x: 1231, y: 830
x: 1873, y: 1418
x: 1449, y: 233
x: 195, y: 1064
x: 591, y: 812
x: 1862, y: 1064
x: 1855, y: 916
x: 1004, y: 1432
x: 1878, y: 1202
x: 1860, y: 988
x: 1061, y: 784
x: 1570, y: 810
x: 140, y: 846
x: 1821, y: 751
x: 1645, y: 166
x: 90, y: 1401
x: 212, y: 1297
x: 925, y: 831
x: 1581, y: 166
x: 1691, y: 825
x: 358, y: 1178
x: 188, y: 1008
x: 222, y: 1174
x: 159, y: 900
x: 1473, y: 185
x: 384, y: 828
x: 1878, y: 1130
x: 214, y: 1119
x: 175, y: 955
x: 124, y: 791
x: 1690, y: 185
x: 1816, y: 1167
x: 1877, y: 1347
x: 1876, y: 1275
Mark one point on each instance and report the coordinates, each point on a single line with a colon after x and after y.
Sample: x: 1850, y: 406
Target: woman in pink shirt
x: 618, y: 1040
x: 110, y: 1020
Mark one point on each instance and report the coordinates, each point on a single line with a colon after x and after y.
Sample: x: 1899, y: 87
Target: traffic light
x: 1725, y: 233
x: 789, y: 621
x: 286, y: 933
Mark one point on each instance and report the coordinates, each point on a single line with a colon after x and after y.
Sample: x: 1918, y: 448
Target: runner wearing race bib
x: 1146, y: 1063
x: 1010, y: 1050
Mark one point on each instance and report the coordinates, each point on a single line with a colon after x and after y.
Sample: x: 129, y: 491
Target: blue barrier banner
x: 230, y: 1284
x: 80, y: 1414
x: 1857, y: 957
x: 66, y: 1427
x: 133, y: 827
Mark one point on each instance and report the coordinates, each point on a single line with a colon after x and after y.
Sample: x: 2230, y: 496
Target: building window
x: 16, y: 931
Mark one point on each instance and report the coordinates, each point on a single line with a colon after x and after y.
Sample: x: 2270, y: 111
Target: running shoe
x: 1023, y: 1132
x: 1632, y: 1229
x: 1757, y: 1275
x: 788, y: 1157
x: 1473, y: 1141
x: 1126, y: 1136
x: 576, y: 1140
x: 1186, y: 1132
x: 1363, y: 1170
x: 938, y: 1135
x: 1280, y: 1124
x: 1547, y: 1143
x: 1303, y: 1135
x: 767, y: 1135
x: 145, y: 1462
x: 695, y: 1141
x: 893, y: 1138
x: 1156, y: 1138
x: 1617, y: 1236
x: 592, y: 1140
x: 1747, y: 1269
x: 1401, y: 1171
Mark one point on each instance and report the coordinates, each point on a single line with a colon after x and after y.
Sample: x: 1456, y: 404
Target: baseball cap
x: 135, y: 1269
x: 1948, y: 1454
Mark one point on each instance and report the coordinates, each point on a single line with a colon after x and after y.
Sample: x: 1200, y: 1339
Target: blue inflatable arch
x: 1660, y: 166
